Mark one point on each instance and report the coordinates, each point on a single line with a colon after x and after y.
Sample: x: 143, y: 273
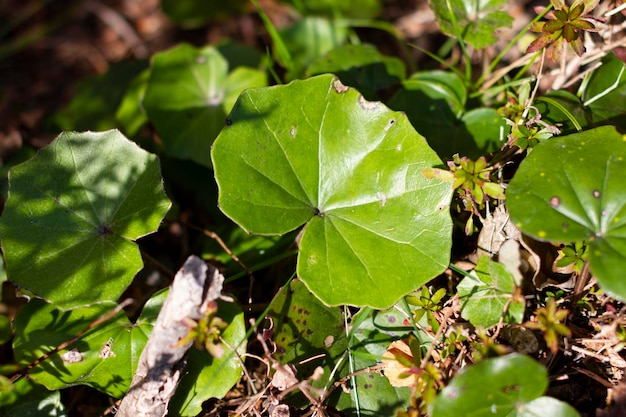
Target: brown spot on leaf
x: 368, y: 105
x: 339, y: 87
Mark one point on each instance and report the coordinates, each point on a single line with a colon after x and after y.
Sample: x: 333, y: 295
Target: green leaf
x: 570, y: 189
x: 304, y: 328
x: 5, y: 329
x: 485, y: 292
x: 29, y: 399
x: 487, y: 130
x: 189, y: 93
x: 510, y: 386
x: 606, y: 92
x: 559, y: 107
x: 308, y: 39
x: 315, y: 151
x: 73, y: 212
x: 371, y: 393
x: 239, y: 55
x: 361, y: 67
x: 208, y: 377
x: 477, y: 21
x: 105, y: 358
x: 130, y: 113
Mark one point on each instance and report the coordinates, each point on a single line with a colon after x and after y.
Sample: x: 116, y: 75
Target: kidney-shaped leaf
x: 571, y: 188
x: 508, y: 386
x: 72, y: 213
x: 316, y: 151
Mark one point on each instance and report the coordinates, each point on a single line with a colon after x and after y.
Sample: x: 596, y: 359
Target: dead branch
x: 163, y: 358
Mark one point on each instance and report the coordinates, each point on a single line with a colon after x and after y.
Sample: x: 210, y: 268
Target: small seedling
x: 206, y: 332
x: 566, y: 25
x: 427, y: 304
x: 549, y: 320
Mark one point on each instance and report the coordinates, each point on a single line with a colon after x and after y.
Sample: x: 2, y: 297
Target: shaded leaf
x: 72, y: 215
x: 97, y: 98
x: 305, y: 328
x: 361, y: 67
x: 606, y: 93
x: 195, y: 13
x: 105, y: 358
x: 434, y: 102
x: 308, y: 39
x: 333, y: 8
x: 188, y: 95
x: 558, y: 107
x: 29, y: 399
x: 372, y: 394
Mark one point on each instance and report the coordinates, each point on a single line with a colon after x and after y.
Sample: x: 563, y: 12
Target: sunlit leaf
x: 476, y: 21
x: 570, y: 189
x: 316, y: 152
x: 509, y: 386
x: 486, y: 291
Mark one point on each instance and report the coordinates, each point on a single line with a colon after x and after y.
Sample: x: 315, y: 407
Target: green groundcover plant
x: 423, y: 229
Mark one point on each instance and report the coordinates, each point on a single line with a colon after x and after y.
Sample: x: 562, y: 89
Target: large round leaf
x: 315, y: 151
x: 571, y: 188
x: 72, y: 213
x: 188, y: 95
x: 508, y: 386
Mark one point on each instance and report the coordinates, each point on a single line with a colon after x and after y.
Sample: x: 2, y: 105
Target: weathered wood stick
x: 162, y: 360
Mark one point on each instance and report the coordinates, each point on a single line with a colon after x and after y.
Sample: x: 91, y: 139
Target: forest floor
x: 43, y: 57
